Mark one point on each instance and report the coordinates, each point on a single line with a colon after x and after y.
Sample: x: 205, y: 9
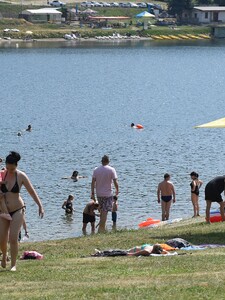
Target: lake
x: 81, y: 99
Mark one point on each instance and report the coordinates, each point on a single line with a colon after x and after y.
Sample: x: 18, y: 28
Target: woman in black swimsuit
x: 68, y: 205
x: 9, y: 230
x: 195, y: 186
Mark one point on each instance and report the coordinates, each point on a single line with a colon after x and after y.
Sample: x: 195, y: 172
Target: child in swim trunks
x: 114, y: 212
x: 89, y: 216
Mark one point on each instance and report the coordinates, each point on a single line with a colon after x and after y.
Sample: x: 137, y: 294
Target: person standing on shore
x: 167, y: 193
x: 9, y: 230
x: 195, y: 186
x: 213, y: 191
x: 102, y: 180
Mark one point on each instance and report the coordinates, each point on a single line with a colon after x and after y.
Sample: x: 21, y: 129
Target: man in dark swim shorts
x: 213, y: 191
x: 167, y: 192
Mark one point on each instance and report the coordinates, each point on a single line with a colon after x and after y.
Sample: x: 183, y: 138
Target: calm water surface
x: 81, y: 100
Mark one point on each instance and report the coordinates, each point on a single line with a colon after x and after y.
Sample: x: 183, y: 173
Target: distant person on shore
x: 166, y: 192
x: 195, y: 186
x: 25, y: 231
x: 213, y: 191
x: 89, y: 216
x: 29, y: 128
x: 102, y: 180
x: 9, y: 230
x: 68, y: 205
x: 114, y: 211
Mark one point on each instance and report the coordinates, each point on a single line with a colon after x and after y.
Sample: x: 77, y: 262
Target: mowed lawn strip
x: 68, y: 272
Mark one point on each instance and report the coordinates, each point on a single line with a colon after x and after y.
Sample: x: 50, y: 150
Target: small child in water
x: 114, y: 211
x: 89, y: 216
x: 68, y: 205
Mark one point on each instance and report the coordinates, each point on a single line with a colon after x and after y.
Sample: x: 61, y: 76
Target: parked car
x: 97, y: 4
x: 121, y: 4
x: 57, y: 3
x: 134, y: 5
x: 114, y: 4
x: 141, y: 4
x: 126, y: 4
x: 87, y: 4
x: 105, y: 4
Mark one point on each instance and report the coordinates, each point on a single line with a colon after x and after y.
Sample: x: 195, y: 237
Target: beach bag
x: 31, y: 255
x: 178, y: 243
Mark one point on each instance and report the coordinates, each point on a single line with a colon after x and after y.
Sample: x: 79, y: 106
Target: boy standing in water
x: 114, y: 211
x: 167, y: 192
x: 89, y: 216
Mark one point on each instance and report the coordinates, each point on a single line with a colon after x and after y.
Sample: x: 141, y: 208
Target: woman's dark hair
x: 13, y: 158
x: 157, y: 249
x: 75, y: 174
x: 194, y: 174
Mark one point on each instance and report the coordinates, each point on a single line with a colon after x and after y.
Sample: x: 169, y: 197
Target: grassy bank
x: 65, y: 274
x: 41, y: 31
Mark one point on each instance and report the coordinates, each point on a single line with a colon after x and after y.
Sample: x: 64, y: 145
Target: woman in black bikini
x: 9, y: 230
x: 195, y: 186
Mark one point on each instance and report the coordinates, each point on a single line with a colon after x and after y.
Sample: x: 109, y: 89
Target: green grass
x: 65, y: 274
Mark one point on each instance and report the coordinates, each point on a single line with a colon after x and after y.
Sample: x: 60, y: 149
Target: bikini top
x: 15, y: 189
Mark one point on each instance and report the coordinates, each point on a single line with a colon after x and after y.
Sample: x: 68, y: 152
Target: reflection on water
x: 81, y: 101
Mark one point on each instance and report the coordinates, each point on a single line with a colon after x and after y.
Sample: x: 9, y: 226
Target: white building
x: 205, y: 15
x: 42, y: 15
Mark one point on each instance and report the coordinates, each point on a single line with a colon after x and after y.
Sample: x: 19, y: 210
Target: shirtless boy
x: 167, y: 193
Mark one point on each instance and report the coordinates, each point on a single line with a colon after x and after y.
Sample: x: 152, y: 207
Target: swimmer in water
x: 29, y: 128
x: 68, y: 205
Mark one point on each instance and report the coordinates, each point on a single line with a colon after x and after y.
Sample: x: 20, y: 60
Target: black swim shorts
x: 88, y: 218
x: 166, y: 198
x: 211, y: 194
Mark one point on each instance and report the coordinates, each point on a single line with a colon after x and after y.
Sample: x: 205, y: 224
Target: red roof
x: 108, y: 18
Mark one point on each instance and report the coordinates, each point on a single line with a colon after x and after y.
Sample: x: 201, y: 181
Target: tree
x: 176, y: 7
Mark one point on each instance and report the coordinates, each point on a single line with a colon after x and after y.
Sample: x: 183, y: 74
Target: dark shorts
x: 114, y: 216
x: 166, y: 198
x: 88, y: 218
x: 211, y: 194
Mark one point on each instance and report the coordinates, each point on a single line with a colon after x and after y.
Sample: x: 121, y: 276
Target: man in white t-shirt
x: 102, y: 180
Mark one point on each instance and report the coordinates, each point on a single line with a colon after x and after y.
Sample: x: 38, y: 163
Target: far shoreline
x: 17, y: 43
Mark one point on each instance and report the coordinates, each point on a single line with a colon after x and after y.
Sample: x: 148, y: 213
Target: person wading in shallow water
x: 195, y: 186
x: 9, y: 230
x: 102, y: 180
x: 167, y: 192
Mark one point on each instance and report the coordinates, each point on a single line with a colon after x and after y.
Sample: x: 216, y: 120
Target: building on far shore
x: 42, y: 15
x: 204, y: 15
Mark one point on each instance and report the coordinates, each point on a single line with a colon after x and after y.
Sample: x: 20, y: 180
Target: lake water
x: 81, y: 100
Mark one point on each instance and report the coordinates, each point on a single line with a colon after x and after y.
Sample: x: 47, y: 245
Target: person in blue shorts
x: 114, y: 211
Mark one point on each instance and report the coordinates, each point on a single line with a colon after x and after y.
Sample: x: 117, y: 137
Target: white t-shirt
x: 104, y: 176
